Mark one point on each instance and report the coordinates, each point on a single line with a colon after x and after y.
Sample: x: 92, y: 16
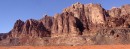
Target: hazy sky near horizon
x: 12, y: 10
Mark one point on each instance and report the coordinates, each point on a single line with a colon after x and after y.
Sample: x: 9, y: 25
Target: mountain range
x: 78, y: 24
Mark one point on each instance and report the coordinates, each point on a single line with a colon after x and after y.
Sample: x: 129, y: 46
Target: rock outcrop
x: 65, y: 24
x: 47, y: 22
x: 24, y: 33
x: 114, y: 12
x: 89, y: 16
x: 31, y: 28
x: 79, y: 24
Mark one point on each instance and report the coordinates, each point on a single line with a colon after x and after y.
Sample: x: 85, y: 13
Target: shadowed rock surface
x: 79, y: 24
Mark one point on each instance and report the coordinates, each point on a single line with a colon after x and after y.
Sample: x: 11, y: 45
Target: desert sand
x: 69, y: 47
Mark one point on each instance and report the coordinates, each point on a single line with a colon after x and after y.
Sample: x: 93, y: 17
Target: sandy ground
x: 69, y: 47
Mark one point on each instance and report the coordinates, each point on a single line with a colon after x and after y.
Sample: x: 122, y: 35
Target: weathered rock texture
x: 79, y: 24
x: 65, y: 25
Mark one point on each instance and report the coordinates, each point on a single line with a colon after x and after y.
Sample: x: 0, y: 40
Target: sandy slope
x: 69, y: 47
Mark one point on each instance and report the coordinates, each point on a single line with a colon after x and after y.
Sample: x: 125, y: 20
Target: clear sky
x: 11, y: 10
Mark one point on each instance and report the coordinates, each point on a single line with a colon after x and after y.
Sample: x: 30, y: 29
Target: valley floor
x: 68, y: 47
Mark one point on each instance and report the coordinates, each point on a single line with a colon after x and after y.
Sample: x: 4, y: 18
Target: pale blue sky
x: 11, y: 10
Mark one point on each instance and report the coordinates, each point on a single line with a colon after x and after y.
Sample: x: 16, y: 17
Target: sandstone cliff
x: 79, y: 24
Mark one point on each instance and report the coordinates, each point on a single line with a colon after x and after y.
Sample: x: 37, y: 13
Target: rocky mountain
x: 79, y: 24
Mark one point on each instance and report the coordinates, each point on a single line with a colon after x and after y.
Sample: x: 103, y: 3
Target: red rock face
x: 18, y: 27
x: 89, y: 16
x: 115, y: 12
x: 78, y: 10
x: 79, y: 24
x: 31, y: 28
x: 64, y: 24
x: 47, y: 22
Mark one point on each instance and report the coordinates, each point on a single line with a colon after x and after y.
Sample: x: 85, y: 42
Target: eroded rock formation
x: 79, y: 24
